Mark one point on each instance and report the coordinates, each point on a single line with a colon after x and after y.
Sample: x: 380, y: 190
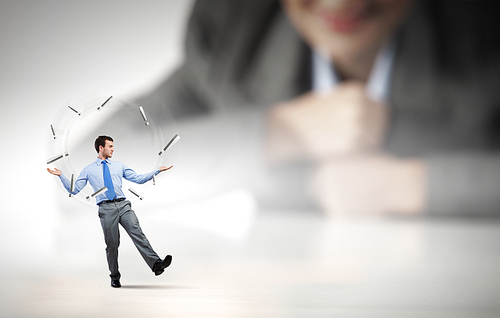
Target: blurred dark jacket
x: 445, y: 94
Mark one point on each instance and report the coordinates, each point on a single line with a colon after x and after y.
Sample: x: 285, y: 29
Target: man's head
x: 104, y: 146
x: 345, y: 29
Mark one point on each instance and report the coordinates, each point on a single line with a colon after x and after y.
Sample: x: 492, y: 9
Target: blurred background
x: 336, y: 157
x: 56, y: 52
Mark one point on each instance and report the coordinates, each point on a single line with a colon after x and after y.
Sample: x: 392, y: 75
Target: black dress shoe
x: 159, y: 266
x: 115, y: 283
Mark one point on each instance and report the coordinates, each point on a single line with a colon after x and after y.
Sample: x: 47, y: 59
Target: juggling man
x: 114, y: 208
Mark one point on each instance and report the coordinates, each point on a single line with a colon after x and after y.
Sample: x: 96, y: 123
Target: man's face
x: 107, y: 150
x: 344, y: 29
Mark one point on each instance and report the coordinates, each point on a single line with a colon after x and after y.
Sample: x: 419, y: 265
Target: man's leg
x: 130, y: 223
x: 109, y: 215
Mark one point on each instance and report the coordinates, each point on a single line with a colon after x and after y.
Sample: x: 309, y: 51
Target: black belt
x: 112, y: 201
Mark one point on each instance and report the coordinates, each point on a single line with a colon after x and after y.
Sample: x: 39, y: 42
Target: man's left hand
x: 163, y: 168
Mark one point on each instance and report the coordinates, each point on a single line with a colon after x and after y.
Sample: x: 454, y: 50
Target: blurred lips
x: 344, y: 21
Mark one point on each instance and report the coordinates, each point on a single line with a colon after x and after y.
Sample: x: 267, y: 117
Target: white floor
x: 287, y: 265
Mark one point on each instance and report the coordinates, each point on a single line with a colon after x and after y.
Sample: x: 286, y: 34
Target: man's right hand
x: 55, y: 172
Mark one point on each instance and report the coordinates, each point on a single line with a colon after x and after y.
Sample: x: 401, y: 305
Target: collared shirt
x: 93, y: 173
x: 378, y: 86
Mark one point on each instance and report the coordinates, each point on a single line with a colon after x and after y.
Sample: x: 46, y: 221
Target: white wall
x: 50, y: 52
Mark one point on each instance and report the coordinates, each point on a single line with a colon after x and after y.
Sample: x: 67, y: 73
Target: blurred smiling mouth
x: 343, y: 20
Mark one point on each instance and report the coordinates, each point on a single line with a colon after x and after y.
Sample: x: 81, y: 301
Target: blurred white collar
x: 324, y: 77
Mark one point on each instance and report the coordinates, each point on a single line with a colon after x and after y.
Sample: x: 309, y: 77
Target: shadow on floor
x: 155, y: 287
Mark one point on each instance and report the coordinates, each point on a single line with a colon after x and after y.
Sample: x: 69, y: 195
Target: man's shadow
x: 154, y: 287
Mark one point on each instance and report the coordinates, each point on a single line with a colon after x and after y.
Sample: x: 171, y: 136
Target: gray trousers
x: 112, y: 214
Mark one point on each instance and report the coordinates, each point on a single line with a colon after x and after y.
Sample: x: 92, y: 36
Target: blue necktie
x: 108, y: 183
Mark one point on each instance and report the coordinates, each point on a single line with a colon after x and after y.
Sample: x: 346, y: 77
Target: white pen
x: 74, y: 110
x: 101, y: 190
x: 135, y: 193
x: 53, y: 159
x: 170, y: 143
x: 143, y: 114
x: 107, y: 100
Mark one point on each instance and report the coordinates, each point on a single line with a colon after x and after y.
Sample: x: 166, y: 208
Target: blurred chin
x: 338, y: 47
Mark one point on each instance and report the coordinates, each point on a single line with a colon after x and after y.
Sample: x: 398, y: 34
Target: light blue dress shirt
x: 94, y: 175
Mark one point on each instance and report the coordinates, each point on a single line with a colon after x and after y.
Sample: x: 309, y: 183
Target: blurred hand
x: 55, y: 172
x: 369, y: 184
x: 163, y: 168
x: 317, y: 126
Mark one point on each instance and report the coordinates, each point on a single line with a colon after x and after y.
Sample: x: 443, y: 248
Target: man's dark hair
x: 101, y: 141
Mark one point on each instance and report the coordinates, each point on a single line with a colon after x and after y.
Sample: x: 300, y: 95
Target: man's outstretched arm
x: 132, y: 176
x: 80, y: 182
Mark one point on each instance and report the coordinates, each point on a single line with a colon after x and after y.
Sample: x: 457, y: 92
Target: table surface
x: 285, y: 265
